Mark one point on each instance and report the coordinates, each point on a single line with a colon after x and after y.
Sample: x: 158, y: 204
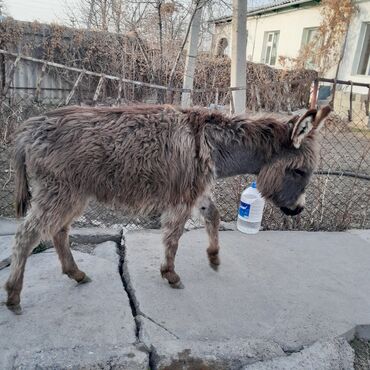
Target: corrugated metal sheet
x: 24, y: 81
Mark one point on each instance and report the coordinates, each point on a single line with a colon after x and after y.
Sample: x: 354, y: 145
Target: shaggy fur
x: 147, y: 159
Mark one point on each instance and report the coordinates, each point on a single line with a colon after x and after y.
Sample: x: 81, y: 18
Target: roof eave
x: 269, y: 10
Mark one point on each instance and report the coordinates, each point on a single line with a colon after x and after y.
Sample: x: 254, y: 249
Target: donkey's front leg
x: 212, y: 222
x: 173, y: 222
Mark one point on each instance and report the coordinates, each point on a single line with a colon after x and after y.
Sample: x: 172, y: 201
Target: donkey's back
x: 141, y: 157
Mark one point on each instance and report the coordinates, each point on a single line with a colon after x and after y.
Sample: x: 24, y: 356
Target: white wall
x: 352, y: 53
x: 291, y: 23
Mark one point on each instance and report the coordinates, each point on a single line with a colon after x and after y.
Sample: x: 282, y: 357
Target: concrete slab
x: 322, y: 355
x: 96, y: 357
x: 8, y: 226
x: 94, y: 235
x: 291, y: 288
x: 60, y: 317
x: 363, y: 234
x: 108, y: 251
x: 6, y: 245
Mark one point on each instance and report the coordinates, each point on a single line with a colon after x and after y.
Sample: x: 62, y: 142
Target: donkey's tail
x: 22, y: 191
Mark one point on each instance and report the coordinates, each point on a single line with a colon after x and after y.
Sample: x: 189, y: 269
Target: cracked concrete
x: 69, y: 325
x: 279, y: 301
x: 287, y: 290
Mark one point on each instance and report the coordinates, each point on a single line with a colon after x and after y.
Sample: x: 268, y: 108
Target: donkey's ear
x: 320, y: 117
x: 303, y: 127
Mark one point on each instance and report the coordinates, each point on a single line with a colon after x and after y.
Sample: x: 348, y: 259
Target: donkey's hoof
x: 214, y: 261
x: 177, y: 285
x: 85, y: 280
x: 214, y: 266
x: 15, y: 308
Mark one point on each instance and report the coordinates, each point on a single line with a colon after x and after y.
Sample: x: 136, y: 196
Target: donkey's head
x: 284, y: 179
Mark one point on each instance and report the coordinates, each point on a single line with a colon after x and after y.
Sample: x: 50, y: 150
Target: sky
x: 48, y: 11
x: 45, y: 11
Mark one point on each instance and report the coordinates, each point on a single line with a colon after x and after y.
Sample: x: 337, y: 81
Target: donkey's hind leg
x: 212, y: 222
x: 69, y: 266
x: 53, y: 206
x: 26, y: 239
x: 173, y: 223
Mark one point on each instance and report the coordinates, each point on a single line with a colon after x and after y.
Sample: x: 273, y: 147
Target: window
x: 270, y: 44
x: 308, y: 35
x: 363, y: 67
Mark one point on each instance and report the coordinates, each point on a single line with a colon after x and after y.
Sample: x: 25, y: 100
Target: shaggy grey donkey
x: 149, y: 159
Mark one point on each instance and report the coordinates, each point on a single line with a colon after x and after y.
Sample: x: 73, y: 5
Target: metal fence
x: 338, y: 196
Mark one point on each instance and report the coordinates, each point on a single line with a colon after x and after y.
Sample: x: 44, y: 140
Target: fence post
x: 258, y: 98
x: 98, y: 88
x: 314, y: 94
x: 331, y: 103
x: 289, y: 105
x: 238, y: 51
x: 119, y: 94
x: 70, y: 95
x: 10, y: 77
x: 350, y: 103
x: 38, y: 83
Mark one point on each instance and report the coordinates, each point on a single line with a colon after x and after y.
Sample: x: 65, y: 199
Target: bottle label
x: 244, y: 210
x: 251, y: 212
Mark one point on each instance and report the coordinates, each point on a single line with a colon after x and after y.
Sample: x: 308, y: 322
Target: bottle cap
x: 254, y: 185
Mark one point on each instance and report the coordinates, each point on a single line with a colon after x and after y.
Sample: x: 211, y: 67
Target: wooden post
x: 119, y: 94
x: 288, y: 102
x: 38, y: 83
x: 258, y: 98
x: 10, y: 76
x: 70, y: 95
x: 98, y: 88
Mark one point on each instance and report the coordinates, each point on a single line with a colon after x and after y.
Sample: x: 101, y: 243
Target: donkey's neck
x: 243, y: 146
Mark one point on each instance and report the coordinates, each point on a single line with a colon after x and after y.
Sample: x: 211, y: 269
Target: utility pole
x: 192, y: 53
x: 238, y: 55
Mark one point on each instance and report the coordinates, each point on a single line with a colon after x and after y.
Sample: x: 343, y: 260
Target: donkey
x: 148, y: 159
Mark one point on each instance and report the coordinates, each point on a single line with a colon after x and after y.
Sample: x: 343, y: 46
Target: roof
x: 272, y: 7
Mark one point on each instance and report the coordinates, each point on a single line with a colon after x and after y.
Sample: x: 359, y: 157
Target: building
x: 281, y: 29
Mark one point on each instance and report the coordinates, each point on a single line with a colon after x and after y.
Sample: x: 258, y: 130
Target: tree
x: 325, y: 50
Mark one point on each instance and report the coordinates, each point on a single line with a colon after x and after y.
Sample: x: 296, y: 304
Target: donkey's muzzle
x: 292, y: 212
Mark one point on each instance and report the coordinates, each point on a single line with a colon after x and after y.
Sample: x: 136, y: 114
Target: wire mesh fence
x: 338, y: 196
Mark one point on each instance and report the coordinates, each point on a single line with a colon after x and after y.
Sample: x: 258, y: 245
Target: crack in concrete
x: 160, y: 325
x: 123, y: 271
x: 134, y: 304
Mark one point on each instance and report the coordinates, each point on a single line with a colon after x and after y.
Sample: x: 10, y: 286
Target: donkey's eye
x: 299, y: 172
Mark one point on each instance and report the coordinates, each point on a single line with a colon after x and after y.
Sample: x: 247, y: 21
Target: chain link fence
x: 337, y: 198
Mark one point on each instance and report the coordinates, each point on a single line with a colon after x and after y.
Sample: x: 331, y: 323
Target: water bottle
x: 250, y: 210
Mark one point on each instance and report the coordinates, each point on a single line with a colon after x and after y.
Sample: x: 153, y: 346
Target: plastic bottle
x: 250, y: 210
